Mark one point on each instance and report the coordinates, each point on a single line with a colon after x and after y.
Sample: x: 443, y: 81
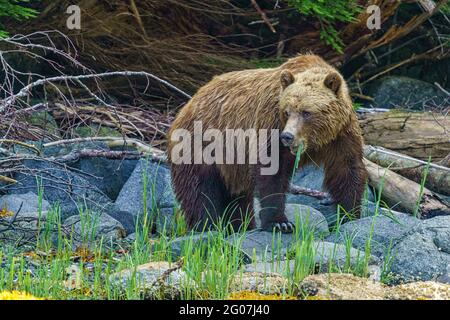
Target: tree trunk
x: 417, y: 134
x: 399, y: 191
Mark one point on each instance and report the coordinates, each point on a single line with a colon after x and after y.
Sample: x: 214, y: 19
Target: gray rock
x: 61, y: 186
x: 445, y: 277
x: 159, y: 189
x: 308, y: 217
x: 26, y: 217
x: 43, y: 120
x: 440, y: 229
x: 258, y: 245
x: 106, y: 175
x: 419, y: 250
x: 166, y: 221
x: 131, y: 237
x: 109, y: 176
x: 384, y: 232
x: 417, y: 258
x: 125, y: 218
x: 264, y: 283
x: 91, y: 227
x: 326, y: 255
x: 26, y: 203
x: 96, y: 131
x: 179, y: 245
x: 154, y: 280
x: 424, y: 254
x: 405, y: 93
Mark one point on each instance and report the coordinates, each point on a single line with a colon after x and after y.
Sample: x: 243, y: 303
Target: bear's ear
x: 333, y: 81
x: 287, y: 78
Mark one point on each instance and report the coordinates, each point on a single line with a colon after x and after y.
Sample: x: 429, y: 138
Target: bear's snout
x: 287, y: 139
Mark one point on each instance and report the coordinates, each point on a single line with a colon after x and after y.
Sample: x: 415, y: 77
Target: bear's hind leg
x: 203, y: 196
x: 243, y: 212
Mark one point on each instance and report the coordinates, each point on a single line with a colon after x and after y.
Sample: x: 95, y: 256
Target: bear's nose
x: 287, y: 138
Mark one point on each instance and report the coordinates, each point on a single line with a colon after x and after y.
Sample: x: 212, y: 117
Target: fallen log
x: 416, y: 134
x: 438, y: 176
x: 409, y: 195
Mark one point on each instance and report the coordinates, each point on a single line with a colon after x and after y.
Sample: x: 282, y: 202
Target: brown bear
x: 305, y: 99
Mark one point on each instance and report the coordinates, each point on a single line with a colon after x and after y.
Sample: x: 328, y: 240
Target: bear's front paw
x: 284, y: 227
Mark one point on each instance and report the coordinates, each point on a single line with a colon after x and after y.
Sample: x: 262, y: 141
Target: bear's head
x: 315, y: 106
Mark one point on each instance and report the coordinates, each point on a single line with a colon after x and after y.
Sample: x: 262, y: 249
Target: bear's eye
x: 306, y: 114
x: 287, y: 113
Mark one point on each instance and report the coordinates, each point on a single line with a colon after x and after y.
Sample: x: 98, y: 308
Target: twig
x: 23, y: 144
x: 7, y: 180
x: 442, y: 89
x: 263, y: 16
x: 297, y: 190
x: 76, y: 155
x: 145, y: 149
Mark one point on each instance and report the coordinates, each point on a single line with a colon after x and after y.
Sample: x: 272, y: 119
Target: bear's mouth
x: 296, y: 147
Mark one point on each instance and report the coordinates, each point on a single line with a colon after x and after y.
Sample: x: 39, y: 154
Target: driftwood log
x: 438, y: 176
x: 416, y: 134
x: 400, y: 191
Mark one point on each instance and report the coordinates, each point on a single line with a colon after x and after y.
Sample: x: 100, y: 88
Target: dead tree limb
x: 76, y: 155
x: 143, y: 148
x: 297, y: 190
x: 263, y: 16
x: 438, y: 177
x: 398, y: 190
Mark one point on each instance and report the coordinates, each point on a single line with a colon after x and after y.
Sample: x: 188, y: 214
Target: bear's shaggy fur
x: 305, y: 96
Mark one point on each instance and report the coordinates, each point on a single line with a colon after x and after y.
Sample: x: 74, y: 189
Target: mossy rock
x: 43, y: 120
x: 96, y: 131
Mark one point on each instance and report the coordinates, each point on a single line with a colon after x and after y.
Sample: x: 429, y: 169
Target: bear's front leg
x: 345, y: 173
x: 271, y: 193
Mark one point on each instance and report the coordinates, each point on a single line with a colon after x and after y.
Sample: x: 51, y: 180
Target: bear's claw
x: 284, y: 227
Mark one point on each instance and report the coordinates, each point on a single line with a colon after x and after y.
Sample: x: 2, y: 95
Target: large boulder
x: 424, y: 254
x: 71, y: 190
x: 325, y: 257
x: 109, y: 176
x: 405, y: 93
x: 383, y: 232
x: 159, y: 192
x: 412, y: 249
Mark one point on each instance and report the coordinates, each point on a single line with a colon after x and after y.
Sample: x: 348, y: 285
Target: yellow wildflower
x: 17, y: 295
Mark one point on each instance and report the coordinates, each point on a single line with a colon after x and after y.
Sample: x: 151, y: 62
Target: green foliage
x: 329, y: 12
x: 445, y: 9
x: 16, y: 10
